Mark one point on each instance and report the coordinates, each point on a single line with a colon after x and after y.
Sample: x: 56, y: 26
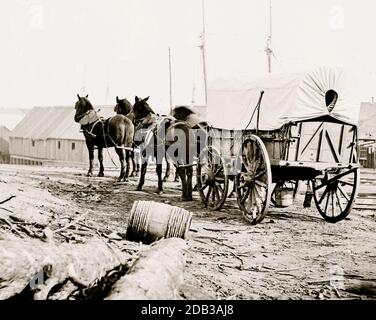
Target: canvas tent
x: 294, y: 97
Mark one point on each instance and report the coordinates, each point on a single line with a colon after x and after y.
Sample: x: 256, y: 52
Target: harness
x: 91, y: 118
x: 151, y: 124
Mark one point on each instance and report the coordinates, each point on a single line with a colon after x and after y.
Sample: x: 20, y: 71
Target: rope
x: 105, y: 144
x: 256, y: 108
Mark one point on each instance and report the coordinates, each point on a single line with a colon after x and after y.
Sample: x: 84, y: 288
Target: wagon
x: 302, y: 132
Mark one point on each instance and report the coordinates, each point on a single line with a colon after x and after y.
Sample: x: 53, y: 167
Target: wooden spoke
x: 323, y: 195
x: 213, y: 195
x: 245, y: 196
x: 261, y: 184
x: 204, y: 187
x: 220, y: 188
x: 343, y: 193
x: 338, y: 201
x: 327, y: 202
x: 346, y: 183
x: 208, y: 194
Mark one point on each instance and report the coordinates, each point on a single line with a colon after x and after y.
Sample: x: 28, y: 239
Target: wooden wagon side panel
x: 323, y: 142
x: 227, y: 142
x: 275, y: 144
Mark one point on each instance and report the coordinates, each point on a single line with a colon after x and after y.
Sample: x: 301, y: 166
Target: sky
x: 52, y: 50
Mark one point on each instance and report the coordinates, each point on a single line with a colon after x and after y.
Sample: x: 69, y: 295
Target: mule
x: 115, y: 132
x: 195, y: 140
x: 124, y: 107
x: 161, y: 134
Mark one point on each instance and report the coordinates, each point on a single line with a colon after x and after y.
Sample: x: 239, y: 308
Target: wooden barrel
x: 150, y: 221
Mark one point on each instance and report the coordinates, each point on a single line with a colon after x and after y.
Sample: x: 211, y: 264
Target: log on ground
x: 157, y: 274
x: 21, y: 260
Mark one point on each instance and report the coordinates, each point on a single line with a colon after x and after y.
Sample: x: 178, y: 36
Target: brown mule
x: 117, y: 132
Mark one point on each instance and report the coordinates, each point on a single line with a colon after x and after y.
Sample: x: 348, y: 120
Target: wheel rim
x: 253, y: 183
x: 335, y: 193
x: 212, y: 178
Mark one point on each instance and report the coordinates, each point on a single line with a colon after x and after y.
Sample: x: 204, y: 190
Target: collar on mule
x: 90, y: 117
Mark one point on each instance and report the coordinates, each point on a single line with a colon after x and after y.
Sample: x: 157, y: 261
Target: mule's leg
x: 176, y: 179
x: 138, y: 169
x: 121, y: 154
x: 142, y: 175
x: 127, y: 156
x: 90, y: 148
x: 168, y: 171
x: 132, y: 156
x: 137, y: 158
x: 160, y: 181
x: 189, y: 173
x: 181, y: 172
x: 100, y: 158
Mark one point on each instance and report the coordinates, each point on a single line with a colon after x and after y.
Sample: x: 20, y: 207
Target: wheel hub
x: 248, y: 179
x: 208, y: 178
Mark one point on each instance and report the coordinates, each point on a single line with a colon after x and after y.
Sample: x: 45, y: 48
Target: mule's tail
x: 180, y: 137
x: 129, y: 133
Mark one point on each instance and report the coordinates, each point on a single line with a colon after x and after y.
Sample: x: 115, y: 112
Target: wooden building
x: 9, y: 118
x: 49, y: 135
x: 367, y: 135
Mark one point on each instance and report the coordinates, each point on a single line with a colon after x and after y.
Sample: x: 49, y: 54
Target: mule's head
x: 141, y: 109
x: 82, y: 106
x: 182, y: 113
x: 123, y: 106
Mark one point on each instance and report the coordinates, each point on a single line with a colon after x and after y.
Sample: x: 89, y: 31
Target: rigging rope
x: 256, y: 108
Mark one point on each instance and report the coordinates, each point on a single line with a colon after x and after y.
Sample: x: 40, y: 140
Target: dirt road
x: 292, y: 254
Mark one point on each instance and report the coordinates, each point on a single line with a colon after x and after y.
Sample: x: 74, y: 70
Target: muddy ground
x: 292, y: 254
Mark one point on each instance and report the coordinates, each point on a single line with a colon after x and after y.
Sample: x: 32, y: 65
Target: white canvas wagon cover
x: 294, y: 97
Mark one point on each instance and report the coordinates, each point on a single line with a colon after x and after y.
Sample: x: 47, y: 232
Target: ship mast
x: 203, y: 52
x: 268, y: 49
x: 170, y: 74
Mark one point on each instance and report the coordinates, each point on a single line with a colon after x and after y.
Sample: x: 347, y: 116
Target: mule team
x: 176, y: 138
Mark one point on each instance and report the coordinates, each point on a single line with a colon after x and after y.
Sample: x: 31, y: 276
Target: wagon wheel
x: 292, y: 184
x: 212, y: 178
x: 335, y: 193
x: 254, y: 182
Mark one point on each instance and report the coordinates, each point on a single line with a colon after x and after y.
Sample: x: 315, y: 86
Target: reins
x: 105, y: 143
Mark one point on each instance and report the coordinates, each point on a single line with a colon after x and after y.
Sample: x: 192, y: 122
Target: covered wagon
x: 269, y: 134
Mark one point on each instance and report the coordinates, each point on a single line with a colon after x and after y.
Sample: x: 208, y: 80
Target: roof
x: 367, y: 120
x: 290, y: 97
x: 42, y: 123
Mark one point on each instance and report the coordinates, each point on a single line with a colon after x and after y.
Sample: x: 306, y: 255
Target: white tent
x: 293, y: 97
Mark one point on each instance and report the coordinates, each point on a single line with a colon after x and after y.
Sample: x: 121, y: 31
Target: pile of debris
x: 67, y: 257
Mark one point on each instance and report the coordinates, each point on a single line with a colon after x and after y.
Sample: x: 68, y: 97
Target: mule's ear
x: 87, y: 96
x: 136, y: 99
x: 78, y: 96
x: 146, y: 99
x: 117, y: 99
